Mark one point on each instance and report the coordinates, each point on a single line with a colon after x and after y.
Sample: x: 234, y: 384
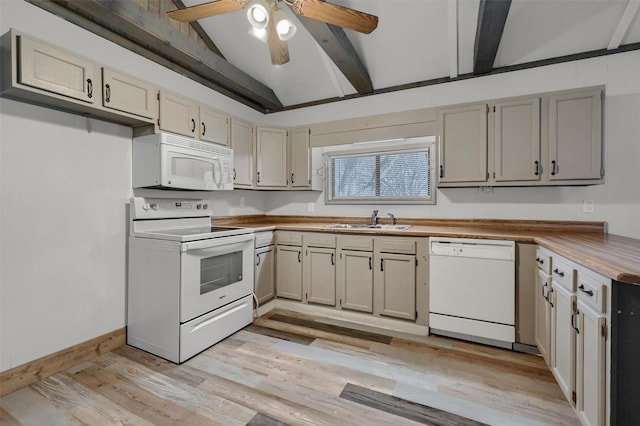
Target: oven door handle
x: 216, y: 245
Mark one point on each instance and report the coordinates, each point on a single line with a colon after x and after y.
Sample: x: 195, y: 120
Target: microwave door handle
x: 219, y: 179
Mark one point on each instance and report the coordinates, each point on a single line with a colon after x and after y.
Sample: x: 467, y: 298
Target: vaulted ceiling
x: 416, y: 43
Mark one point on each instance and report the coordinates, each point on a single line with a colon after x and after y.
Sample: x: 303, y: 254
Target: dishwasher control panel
x: 467, y: 247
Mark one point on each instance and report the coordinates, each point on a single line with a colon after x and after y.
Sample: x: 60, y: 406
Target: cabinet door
x: 463, y: 144
x: 214, y: 126
x: 543, y: 314
x: 320, y: 275
x: 178, y: 115
x: 271, y: 156
x: 517, y: 140
x: 355, y: 280
x: 563, y: 366
x: 264, y: 285
x: 242, y: 144
x: 124, y: 93
x: 289, y: 272
x: 575, y: 139
x: 56, y: 70
x: 590, y: 366
x: 395, y: 285
x: 300, y: 159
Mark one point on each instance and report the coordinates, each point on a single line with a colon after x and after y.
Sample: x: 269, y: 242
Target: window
x: 382, y: 173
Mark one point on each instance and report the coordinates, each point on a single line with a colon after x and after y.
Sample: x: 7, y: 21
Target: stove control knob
x: 198, y: 206
x: 205, y: 206
x: 154, y: 207
x: 145, y: 206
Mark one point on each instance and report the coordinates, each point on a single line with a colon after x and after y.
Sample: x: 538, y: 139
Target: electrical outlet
x: 311, y: 207
x: 588, y: 206
x: 242, y: 202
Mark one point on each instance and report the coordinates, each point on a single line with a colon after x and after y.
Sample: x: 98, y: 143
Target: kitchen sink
x: 367, y: 226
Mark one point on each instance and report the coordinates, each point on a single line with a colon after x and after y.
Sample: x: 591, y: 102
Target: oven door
x: 184, y: 168
x: 215, y: 272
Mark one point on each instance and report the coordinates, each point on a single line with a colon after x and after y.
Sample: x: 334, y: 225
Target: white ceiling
x: 416, y: 40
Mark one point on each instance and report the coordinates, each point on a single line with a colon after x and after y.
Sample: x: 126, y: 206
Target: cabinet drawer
x: 357, y: 243
x: 319, y: 240
x: 264, y: 239
x: 543, y: 260
x: 592, y: 289
x: 564, y: 274
x: 289, y: 238
x: 395, y: 245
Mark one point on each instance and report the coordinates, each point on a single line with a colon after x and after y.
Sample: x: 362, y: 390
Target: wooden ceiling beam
x: 333, y: 40
x: 127, y: 20
x: 492, y: 17
x: 200, y: 31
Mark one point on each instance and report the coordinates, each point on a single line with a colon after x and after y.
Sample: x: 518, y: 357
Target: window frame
x: 418, y: 144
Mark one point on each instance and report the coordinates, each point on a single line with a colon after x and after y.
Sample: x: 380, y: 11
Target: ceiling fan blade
x: 336, y: 15
x: 278, y: 49
x: 205, y: 10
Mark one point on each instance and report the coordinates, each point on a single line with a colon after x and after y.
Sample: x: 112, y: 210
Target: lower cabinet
x: 354, y: 273
x: 319, y: 268
x: 575, y: 335
x: 265, y: 283
x: 394, y: 277
x: 289, y: 265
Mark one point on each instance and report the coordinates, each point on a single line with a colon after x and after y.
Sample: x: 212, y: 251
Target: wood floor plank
x: 150, y: 407
x: 6, y: 419
x: 282, y: 335
x: 173, y: 390
x: 407, y: 409
x: 344, y: 331
x: 32, y: 408
x: 263, y: 420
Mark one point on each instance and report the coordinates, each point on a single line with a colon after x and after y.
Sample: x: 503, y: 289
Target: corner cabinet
x: 264, y: 284
x: 242, y: 145
x: 547, y: 139
x: 271, y: 158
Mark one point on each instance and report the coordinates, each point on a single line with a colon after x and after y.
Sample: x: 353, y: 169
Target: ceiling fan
x: 272, y: 25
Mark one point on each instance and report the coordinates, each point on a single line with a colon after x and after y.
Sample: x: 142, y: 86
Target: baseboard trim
x: 26, y: 374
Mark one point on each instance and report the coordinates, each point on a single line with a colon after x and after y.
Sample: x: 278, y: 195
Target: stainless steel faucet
x: 374, y: 218
x: 392, y: 219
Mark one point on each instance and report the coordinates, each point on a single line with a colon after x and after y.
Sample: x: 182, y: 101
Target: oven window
x: 220, y: 271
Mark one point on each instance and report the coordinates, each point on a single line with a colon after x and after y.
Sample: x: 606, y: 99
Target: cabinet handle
x: 441, y: 171
x: 234, y: 173
x: 204, y: 128
x: 292, y: 182
x: 258, y: 174
x: 258, y: 256
x: 558, y: 272
x: 549, y: 298
x: 299, y: 256
x: 107, y: 97
x: 537, y: 169
x: 370, y: 265
x: 193, y: 125
x: 574, y: 321
x: 589, y: 292
x: 553, y: 168
x: 89, y: 88
x: 332, y: 259
x: 545, y: 296
x: 382, y: 265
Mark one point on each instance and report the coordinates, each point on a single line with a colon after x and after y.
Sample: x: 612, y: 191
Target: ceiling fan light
x: 284, y: 27
x: 260, y: 34
x: 258, y: 14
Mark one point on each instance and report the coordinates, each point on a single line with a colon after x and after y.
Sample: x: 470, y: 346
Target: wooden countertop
x: 613, y: 256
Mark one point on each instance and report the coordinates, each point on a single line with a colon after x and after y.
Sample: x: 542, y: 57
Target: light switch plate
x: 588, y: 206
x: 311, y: 207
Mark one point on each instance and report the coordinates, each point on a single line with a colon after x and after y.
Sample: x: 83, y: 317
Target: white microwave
x: 166, y: 161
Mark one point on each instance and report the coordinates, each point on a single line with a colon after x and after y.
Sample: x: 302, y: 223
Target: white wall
x: 617, y: 201
x: 65, y: 181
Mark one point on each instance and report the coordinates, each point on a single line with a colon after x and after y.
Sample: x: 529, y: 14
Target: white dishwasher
x: 472, y: 289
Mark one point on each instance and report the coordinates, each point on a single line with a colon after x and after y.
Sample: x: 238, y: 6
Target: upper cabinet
x: 178, y: 115
x: 271, y: 158
x: 242, y: 145
x: 214, y: 126
x: 125, y: 93
x: 463, y: 144
x: 575, y: 132
x: 553, y: 139
x: 299, y: 158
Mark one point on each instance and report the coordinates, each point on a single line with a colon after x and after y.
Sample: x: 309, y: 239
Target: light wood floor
x: 289, y: 368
